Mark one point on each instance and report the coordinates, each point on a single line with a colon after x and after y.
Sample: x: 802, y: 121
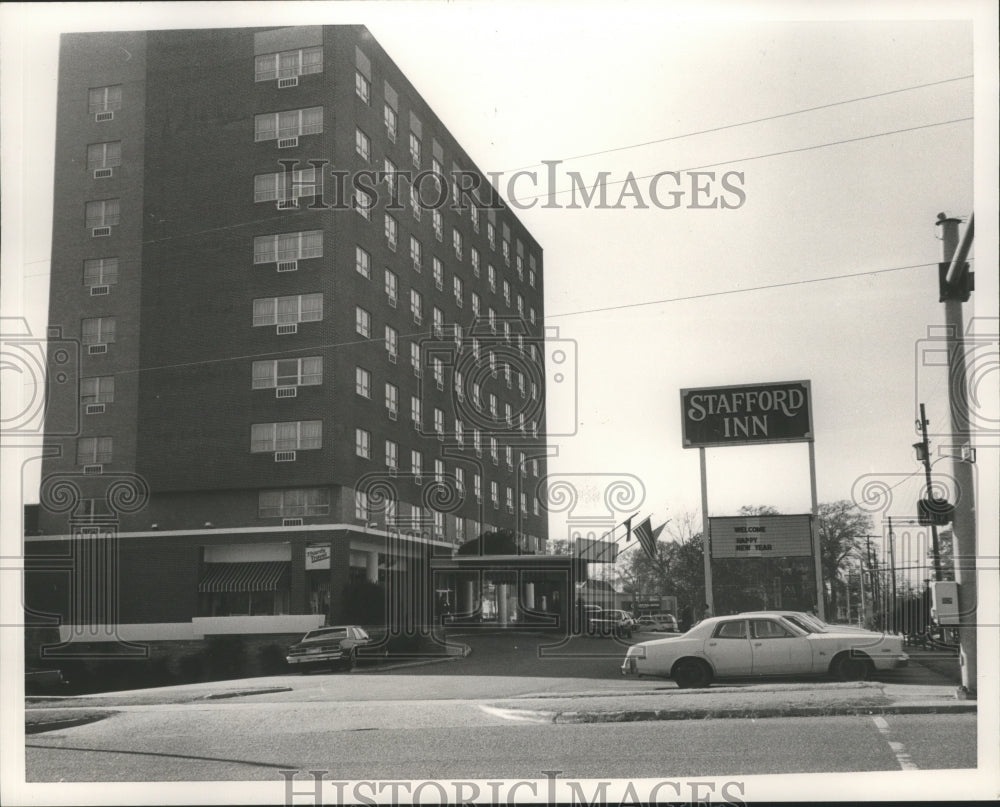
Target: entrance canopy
x: 253, y: 576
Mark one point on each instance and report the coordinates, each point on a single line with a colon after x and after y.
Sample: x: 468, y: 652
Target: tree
x: 841, y: 526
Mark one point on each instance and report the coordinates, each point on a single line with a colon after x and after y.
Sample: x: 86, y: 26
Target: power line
x: 724, y: 292
x: 751, y: 122
x: 751, y: 158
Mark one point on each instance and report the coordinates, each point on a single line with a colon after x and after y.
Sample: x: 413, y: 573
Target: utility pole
x: 892, y: 573
x: 924, y: 455
x: 955, y: 287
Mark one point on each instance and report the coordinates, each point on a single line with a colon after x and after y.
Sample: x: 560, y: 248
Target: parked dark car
x: 611, y: 623
x: 332, y: 647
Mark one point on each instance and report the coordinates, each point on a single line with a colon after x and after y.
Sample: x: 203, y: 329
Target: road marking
x: 903, y: 757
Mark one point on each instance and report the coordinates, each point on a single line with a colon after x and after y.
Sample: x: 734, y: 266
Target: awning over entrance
x: 259, y: 576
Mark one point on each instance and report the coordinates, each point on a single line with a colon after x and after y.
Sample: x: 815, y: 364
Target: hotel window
x: 520, y: 382
x: 519, y: 264
x: 534, y: 505
x: 288, y: 63
x: 506, y: 293
x: 362, y: 322
x: 491, y: 316
x: 100, y: 389
x: 438, y: 225
x: 415, y: 253
x: 286, y: 186
x: 524, y: 503
x: 508, y: 416
x: 491, y: 234
x: 509, y: 457
x: 439, y: 470
x: 494, y: 451
x: 104, y: 99
x: 391, y: 286
x: 93, y: 450
x: 438, y: 273
x: 100, y: 272
x: 287, y: 310
x: 362, y: 382
x: 288, y: 436
x: 362, y: 145
x: 505, y: 249
x: 439, y: 372
x: 361, y: 505
x: 493, y: 405
x: 459, y: 528
x: 97, y: 330
x: 102, y: 213
x: 363, y: 203
x: 415, y: 150
x: 415, y: 202
x: 531, y: 278
x: 415, y: 357
x: 522, y: 464
x: 474, y: 257
x: 104, y: 155
x: 391, y: 455
x: 459, y: 389
x: 520, y: 305
x: 437, y: 318
x: 416, y: 306
x: 416, y: 463
x: 506, y: 336
x: 362, y: 443
x: 458, y: 291
x: 495, y: 494
x: 474, y: 215
x: 438, y: 524
x: 456, y: 241
x: 531, y: 315
x: 294, y: 502
x: 459, y: 432
x: 288, y: 247
x: 477, y: 441
x: 477, y: 396
x: 362, y: 87
x: 392, y: 399
x: 389, y: 170
x: 290, y: 123
x: 415, y: 413
x: 506, y: 371
x: 534, y: 470
x: 391, y: 121
x: 534, y: 391
x: 491, y: 277
x: 391, y: 232
x: 477, y: 486
x: 362, y: 262
x: 475, y: 345
x: 304, y: 372
x: 509, y: 498
x: 391, y: 341
x: 475, y: 303
x: 460, y: 480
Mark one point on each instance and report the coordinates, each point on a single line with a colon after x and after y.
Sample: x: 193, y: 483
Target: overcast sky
x: 653, y: 300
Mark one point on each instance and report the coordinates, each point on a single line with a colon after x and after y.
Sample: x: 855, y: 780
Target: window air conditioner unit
x: 479, y: 452
x: 510, y: 508
x: 440, y: 435
x: 416, y: 371
x: 287, y: 266
x: 440, y: 384
x: 393, y: 358
x: 99, y: 232
x: 101, y: 117
x: 418, y: 319
x: 292, y: 81
x: 284, y: 456
x: 392, y: 300
x: 96, y: 350
x: 102, y: 173
x: 392, y: 470
x: 291, y: 522
x: 287, y: 204
x: 287, y: 142
x: 418, y: 479
x: 93, y: 470
x: 94, y: 409
x: 285, y: 392
x: 460, y: 395
x: 99, y: 291
x: 392, y: 242
x: 283, y: 329
x: 393, y: 414
x: 496, y: 504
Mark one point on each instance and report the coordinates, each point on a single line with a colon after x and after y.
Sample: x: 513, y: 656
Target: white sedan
x: 762, y: 644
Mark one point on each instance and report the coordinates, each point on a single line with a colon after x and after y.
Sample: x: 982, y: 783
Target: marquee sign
x: 746, y: 414
x: 760, y: 536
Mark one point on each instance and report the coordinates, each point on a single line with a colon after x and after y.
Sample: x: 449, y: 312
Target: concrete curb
x: 40, y: 726
x: 748, y: 713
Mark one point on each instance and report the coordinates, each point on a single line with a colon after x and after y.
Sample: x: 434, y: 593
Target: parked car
x: 812, y: 623
x: 662, y: 623
x: 333, y: 646
x: 612, y: 622
x: 762, y: 644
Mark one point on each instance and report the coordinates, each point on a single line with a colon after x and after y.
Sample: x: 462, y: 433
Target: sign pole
x: 814, y: 529
x: 705, y: 537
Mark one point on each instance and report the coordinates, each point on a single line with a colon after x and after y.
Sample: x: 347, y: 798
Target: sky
x: 823, y: 268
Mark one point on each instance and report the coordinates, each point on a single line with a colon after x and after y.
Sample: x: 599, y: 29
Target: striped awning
x: 259, y: 576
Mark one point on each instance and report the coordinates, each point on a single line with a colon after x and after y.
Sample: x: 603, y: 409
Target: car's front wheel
x: 692, y: 674
x: 851, y: 667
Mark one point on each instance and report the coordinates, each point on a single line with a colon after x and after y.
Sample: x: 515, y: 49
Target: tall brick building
x: 292, y: 356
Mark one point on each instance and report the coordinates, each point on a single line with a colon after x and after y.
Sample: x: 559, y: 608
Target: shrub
x: 272, y: 659
x: 225, y: 657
